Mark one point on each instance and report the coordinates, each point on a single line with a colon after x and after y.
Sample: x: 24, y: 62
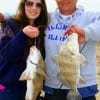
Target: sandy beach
x: 98, y: 69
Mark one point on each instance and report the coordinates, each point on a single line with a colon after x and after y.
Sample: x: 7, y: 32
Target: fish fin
x: 74, y: 95
x: 41, y: 72
x: 82, y: 80
x: 54, y: 59
x: 25, y: 75
x: 82, y: 59
x: 42, y: 93
x: 60, y: 78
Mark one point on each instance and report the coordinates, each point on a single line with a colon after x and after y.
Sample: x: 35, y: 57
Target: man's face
x: 66, y: 6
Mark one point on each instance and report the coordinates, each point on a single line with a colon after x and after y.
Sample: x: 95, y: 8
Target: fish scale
x: 68, y: 58
x: 34, y: 73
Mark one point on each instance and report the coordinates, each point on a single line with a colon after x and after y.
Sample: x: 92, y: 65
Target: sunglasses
x: 30, y: 4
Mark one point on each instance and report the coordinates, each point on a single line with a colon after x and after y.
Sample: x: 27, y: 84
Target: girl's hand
x: 30, y: 31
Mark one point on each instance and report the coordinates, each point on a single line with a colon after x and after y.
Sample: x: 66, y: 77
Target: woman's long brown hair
x: 41, y: 22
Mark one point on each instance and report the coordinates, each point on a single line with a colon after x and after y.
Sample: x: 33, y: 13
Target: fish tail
x: 74, y: 95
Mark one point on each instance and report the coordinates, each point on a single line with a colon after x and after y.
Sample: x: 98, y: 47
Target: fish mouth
x: 33, y: 63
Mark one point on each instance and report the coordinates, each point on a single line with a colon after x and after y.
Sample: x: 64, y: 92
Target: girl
x: 19, y: 33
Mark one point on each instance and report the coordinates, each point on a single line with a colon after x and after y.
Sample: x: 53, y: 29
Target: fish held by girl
x: 34, y: 73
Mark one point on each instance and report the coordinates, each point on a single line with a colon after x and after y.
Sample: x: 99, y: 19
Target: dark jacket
x: 12, y: 46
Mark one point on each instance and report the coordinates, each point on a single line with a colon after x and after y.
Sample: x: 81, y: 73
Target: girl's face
x: 33, y: 9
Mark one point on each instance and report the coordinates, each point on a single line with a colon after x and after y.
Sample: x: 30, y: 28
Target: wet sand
x: 98, y: 69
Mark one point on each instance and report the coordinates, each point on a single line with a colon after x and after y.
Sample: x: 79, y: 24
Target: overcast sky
x: 11, y: 5
x: 88, y: 4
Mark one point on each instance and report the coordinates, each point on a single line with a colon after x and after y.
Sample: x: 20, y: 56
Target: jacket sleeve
x: 92, y: 30
x: 12, y: 48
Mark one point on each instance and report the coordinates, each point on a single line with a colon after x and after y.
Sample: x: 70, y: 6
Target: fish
x: 68, y: 59
x: 35, y: 73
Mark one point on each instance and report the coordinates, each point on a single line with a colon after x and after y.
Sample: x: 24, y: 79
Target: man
x: 66, y: 19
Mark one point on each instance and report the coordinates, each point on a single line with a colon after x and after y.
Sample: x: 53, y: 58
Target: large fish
x: 34, y: 74
x: 69, y: 59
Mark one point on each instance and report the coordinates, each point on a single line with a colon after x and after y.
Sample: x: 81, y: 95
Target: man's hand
x: 75, y: 29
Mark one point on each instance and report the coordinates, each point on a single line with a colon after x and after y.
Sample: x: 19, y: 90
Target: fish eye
x: 31, y: 62
x: 72, y: 53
